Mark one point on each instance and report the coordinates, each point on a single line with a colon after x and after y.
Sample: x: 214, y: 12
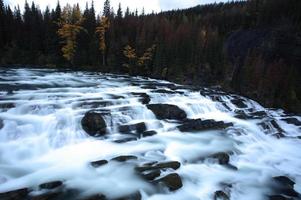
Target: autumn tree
x: 101, y: 31
x: 70, y: 27
x: 138, y: 64
x: 130, y: 54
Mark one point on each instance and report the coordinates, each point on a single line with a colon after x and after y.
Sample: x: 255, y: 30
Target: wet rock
x: 163, y: 91
x: 223, y: 158
x: 152, y: 87
x: 124, y: 158
x: 164, y: 165
x: 95, y: 104
x: 145, y: 98
x: 293, y: 121
x: 202, y: 125
x: 239, y: 103
x: 1, y: 124
x: 125, y: 140
x: 150, y: 176
x: 135, y: 196
x: 166, y: 111
x: 96, y: 197
x: 220, y: 195
x: 51, y: 185
x: 278, y: 197
x: 172, y: 181
x: 284, y: 181
x: 94, y: 124
x: 148, y: 133
x: 284, y: 186
x: 15, y: 195
x: 47, y: 196
x: 99, y: 163
x: 6, y: 106
x: 139, y: 128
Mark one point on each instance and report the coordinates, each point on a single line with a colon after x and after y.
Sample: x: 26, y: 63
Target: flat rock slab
x: 202, y: 125
x: 167, y: 111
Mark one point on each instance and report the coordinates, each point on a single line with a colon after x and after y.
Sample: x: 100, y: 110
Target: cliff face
x: 267, y: 66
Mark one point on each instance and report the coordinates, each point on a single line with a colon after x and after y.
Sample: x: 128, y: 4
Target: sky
x: 148, y: 5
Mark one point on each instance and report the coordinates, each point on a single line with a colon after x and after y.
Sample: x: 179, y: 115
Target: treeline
x: 183, y: 45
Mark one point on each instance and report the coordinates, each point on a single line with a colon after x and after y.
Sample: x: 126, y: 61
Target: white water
x: 42, y: 139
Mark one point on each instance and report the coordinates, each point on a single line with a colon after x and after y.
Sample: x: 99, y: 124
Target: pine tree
x: 107, y: 8
x: 119, y: 12
x: 2, y: 28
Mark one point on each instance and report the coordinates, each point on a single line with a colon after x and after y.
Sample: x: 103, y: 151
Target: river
x: 42, y: 140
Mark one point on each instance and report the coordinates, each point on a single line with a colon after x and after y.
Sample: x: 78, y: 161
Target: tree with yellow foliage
x: 70, y: 26
x: 101, y: 29
x: 142, y: 62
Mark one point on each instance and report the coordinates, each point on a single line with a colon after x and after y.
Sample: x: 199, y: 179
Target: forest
x: 237, y: 45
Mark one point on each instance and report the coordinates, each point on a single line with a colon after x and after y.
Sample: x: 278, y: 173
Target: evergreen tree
x: 107, y: 8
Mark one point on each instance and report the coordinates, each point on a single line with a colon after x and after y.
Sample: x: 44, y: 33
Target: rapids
x: 41, y: 138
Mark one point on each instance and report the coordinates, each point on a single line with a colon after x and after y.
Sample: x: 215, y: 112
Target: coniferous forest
x: 251, y: 47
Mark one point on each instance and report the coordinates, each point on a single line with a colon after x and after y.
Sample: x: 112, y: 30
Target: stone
x: 166, y: 111
x: 220, y: 195
x: 138, y: 128
x: 202, y: 125
x: 124, y: 158
x: 99, y: 163
x: 51, y: 185
x: 239, y: 103
x: 293, y: 121
x: 94, y: 124
x: 144, y: 98
x: 148, y: 134
x: 223, y: 158
x: 278, y: 197
x: 172, y: 181
x: 15, y: 195
x: 164, y: 165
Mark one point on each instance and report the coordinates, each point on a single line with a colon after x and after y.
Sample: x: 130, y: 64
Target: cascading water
x: 41, y: 139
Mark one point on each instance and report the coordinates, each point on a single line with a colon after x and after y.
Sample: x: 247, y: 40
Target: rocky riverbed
x: 89, y: 136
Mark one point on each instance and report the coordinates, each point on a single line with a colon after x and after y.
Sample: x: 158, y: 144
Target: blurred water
x: 42, y: 140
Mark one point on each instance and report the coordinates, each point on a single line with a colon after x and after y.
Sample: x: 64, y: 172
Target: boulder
x: 1, y: 124
x: 96, y: 197
x: 164, y: 165
x: 223, y: 158
x: 148, y: 134
x: 278, y: 197
x: 15, y: 195
x: 284, y: 186
x: 138, y: 128
x: 293, y: 121
x: 202, y: 125
x: 172, y: 181
x: 220, y: 195
x: 47, y: 196
x: 94, y: 124
x: 51, y: 185
x: 99, y: 163
x: 150, y: 176
x: 284, y: 181
x: 144, y: 98
x: 166, y: 111
x: 124, y: 158
x: 239, y: 103
x: 135, y: 196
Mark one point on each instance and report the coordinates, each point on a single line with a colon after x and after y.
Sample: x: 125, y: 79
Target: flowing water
x: 41, y: 138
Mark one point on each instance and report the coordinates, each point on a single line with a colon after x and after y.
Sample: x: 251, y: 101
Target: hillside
x: 252, y: 47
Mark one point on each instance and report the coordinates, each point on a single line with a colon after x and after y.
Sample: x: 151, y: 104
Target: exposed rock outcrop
x: 166, y: 111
